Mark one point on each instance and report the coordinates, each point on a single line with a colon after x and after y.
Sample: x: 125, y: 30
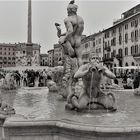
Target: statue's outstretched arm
x: 109, y: 74
x: 83, y: 70
x: 57, y: 25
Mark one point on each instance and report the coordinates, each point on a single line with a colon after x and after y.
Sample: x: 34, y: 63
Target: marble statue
x: 91, y: 95
x: 6, y: 109
x: 71, y: 41
x: 8, y: 82
x: 90, y: 74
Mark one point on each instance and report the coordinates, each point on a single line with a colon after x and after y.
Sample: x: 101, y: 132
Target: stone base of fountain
x: 66, y: 130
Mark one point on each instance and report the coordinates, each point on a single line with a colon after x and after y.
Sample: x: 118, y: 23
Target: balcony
x: 110, y: 59
x: 118, y: 56
x: 136, y: 55
x: 107, y: 48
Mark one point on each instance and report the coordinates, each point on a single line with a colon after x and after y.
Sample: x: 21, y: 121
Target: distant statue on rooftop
x: 71, y: 41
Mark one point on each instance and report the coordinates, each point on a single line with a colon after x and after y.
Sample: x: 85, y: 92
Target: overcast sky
x: 97, y: 15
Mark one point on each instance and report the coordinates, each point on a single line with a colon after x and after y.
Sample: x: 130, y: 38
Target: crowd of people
x: 131, y: 80
x: 42, y: 78
x: 29, y: 78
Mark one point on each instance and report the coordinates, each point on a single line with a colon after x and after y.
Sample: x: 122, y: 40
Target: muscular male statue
x: 91, y: 74
x: 71, y: 41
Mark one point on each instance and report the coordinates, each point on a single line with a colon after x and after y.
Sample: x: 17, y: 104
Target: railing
x: 136, y: 55
x: 118, y: 56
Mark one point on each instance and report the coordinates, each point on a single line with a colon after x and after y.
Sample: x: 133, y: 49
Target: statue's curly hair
x: 72, y: 2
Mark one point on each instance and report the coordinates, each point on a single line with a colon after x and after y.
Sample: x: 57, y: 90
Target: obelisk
x: 29, y: 32
x: 29, y: 45
x: 29, y: 36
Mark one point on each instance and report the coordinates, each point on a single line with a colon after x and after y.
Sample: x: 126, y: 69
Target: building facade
x: 92, y: 44
x: 51, y: 58
x: 58, y: 54
x: 22, y: 57
x: 87, y: 46
x: 98, y: 45
x: 122, y: 40
x: 43, y: 59
x: 7, y: 55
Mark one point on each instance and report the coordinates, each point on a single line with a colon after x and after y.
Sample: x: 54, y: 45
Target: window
x: 132, y: 50
x: 105, y: 35
x: 99, y: 40
x: 96, y: 42
x: 108, y: 34
x: 126, y: 26
x: 136, y: 22
x: 120, y: 52
x: 132, y: 23
x: 108, y: 43
x: 93, y: 44
x: 132, y: 36
x: 113, y: 32
x: 120, y: 29
x: 133, y: 64
x: 126, y: 51
x: 136, y: 35
x: 114, y: 52
x: 136, y: 49
x: 108, y: 55
x: 105, y: 44
x: 96, y: 50
x: 120, y: 39
x: 126, y: 38
x: 99, y: 50
x: 86, y: 45
x: 126, y: 64
x: 114, y: 41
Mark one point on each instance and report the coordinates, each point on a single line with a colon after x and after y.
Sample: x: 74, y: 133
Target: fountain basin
x: 42, y: 115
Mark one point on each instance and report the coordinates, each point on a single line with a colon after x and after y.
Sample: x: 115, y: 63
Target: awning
x: 128, y: 67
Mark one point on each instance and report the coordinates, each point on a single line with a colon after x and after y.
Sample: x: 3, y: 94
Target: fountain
x: 42, y: 115
x: 8, y: 82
